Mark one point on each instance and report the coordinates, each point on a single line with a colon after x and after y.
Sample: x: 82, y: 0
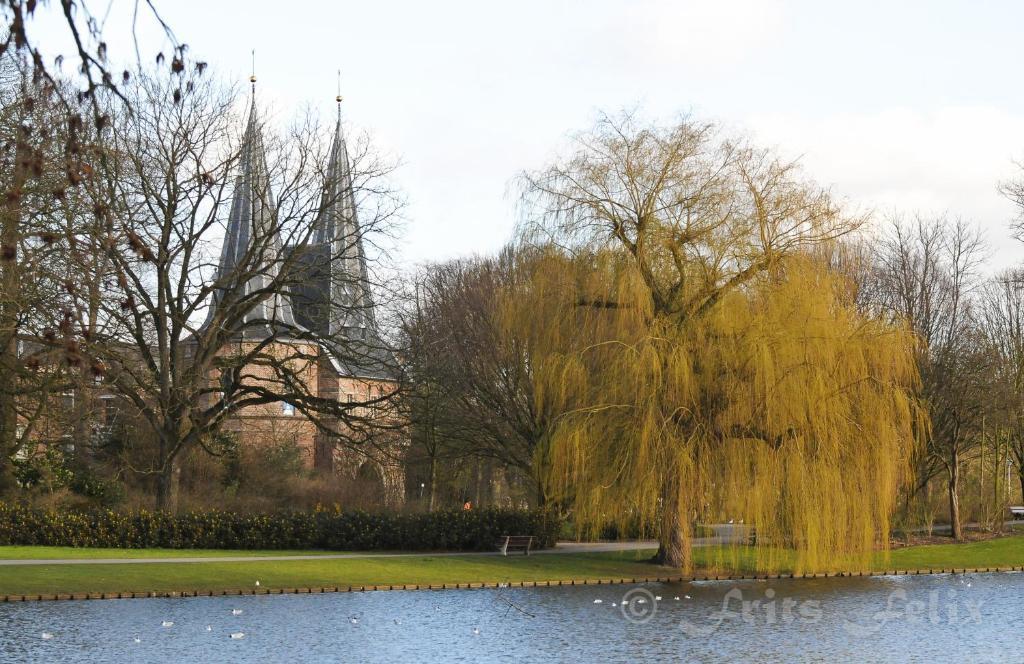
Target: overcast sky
x: 915, y: 107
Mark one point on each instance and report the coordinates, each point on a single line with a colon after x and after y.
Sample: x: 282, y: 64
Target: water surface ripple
x: 977, y: 617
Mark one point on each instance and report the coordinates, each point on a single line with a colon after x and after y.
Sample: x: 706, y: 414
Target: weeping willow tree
x: 703, y: 365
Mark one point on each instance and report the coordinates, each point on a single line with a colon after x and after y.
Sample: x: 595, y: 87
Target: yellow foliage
x: 783, y: 408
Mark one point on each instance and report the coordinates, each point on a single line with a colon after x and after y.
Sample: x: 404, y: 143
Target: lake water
x: 976, y: 617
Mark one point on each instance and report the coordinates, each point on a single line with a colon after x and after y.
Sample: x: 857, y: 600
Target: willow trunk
x: 674, y: 549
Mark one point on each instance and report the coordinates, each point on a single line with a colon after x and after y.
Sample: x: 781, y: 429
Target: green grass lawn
x: 1000, y: 552
x: 422, y: 570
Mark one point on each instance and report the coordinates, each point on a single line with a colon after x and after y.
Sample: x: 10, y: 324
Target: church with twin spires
x: 330, y: 304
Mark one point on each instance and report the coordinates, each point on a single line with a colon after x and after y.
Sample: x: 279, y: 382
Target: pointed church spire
x: 252, y: 244
x: 333, y: 299
x: 337, y: 227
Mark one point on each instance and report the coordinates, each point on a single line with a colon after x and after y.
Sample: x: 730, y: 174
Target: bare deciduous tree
x: 48, y: 157
x: 927, y: 273
x: 36, y: 325
x: 473, y: 394
x: 1003, y: 315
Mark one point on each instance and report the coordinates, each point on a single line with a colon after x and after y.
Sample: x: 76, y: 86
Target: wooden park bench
x: 1017, y: 512
x: 515, y: 543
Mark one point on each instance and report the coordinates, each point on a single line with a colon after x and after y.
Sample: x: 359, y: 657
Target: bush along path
x: 334, y: 530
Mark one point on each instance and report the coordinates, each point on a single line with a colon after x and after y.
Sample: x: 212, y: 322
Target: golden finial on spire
x: 252, y: 76
x: 339, y: 97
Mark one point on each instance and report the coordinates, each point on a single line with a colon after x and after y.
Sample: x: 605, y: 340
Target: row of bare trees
x: 474, y: 397
x: 930, y: 273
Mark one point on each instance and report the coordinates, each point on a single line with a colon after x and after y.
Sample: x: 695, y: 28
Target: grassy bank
x: 997, y: 552
x: 422, y: 570
x: 165, y: 577
x: 1000, y: 552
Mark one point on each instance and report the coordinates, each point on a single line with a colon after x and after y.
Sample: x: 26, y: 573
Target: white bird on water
x: 137, y: 640
x: 167, y: 623
x: 353, y: 620
x: 613, y: 604
x: 238, y: 635
x: 209, y: 628
x: 236, y: 612
x: 598, y: 601
x: 687, y: 597
x: 676, y: 598
x: 476, y: 630
x: 397, y: 621
x: 657, y: 598
x: 46, y: 636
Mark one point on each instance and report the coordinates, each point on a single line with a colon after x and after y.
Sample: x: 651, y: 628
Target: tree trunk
x: 8, y: 414
x: 673, y: 544
x: 81, y: 411
x: 433, y: 484
x: 954, y: 500
x: 8, y: 419
x: 476, y: 485
x: 167, y: 487
x: 10, y: 296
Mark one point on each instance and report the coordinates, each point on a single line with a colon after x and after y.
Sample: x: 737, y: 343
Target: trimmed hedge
x: 471, y: 530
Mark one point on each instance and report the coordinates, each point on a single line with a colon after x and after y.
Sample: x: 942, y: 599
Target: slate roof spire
x: 334, y: 299
x: 252, y: 244
x: 337, y: 227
